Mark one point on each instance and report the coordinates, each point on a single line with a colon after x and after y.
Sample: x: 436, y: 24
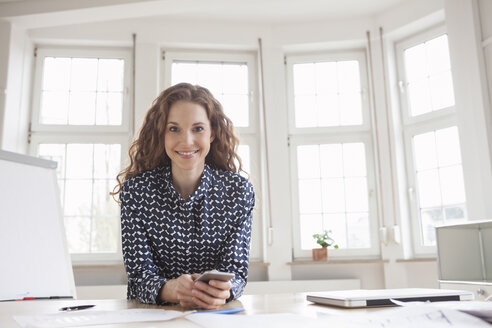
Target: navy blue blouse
x: 165, y: 236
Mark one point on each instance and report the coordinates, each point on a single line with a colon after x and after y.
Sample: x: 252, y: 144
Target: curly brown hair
x: 148, y: 151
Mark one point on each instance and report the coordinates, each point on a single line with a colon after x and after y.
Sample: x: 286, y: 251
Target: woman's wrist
x: 168, y: 292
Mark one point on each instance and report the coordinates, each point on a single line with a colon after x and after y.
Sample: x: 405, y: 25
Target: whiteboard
x: 34, y: 259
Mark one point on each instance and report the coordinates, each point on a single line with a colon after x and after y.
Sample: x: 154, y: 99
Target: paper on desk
x: 279, y: 320
x: 422, y: 315
x: 478, y: 309
x: 94, y: 317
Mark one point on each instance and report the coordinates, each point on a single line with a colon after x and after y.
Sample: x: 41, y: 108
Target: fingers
x: 211, y: 295
x: 184, y: 287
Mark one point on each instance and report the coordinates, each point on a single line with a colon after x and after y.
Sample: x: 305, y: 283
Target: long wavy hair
x: 148, y: 151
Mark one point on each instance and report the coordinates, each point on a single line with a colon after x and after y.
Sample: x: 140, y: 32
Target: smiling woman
x: 184, y: 207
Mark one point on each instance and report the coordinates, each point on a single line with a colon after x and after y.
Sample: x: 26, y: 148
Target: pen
x: 224, y: 311
x: 76, y: 307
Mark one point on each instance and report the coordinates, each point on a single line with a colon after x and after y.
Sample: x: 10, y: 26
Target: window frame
x: 291, y: 60
x: 401, y: 46
x: 412, y: 126
x: 68, y: 134
x: 250, y: 136
x: 43, y: 52
x: 335, y: 134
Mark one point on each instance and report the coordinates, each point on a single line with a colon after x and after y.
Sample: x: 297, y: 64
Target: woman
x: 184, y: 207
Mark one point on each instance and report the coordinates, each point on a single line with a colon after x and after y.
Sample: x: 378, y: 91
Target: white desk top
x: 253, y: 304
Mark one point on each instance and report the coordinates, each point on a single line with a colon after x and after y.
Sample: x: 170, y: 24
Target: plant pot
x: 320, y: 254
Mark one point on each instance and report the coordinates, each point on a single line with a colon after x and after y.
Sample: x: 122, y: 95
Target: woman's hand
x: 212, y: 295
x: 180, y: 290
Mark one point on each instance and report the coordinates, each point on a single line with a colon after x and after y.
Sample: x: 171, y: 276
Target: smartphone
x: 215, y: 275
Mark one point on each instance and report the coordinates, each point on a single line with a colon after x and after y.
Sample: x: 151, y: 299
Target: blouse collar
x: 205, y: 184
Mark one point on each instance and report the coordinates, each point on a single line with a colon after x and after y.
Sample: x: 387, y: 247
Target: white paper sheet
x: 424, y: 315
x: 280, y: 320
x: 405, y: 317
x: 94, y: 317
x: 478, y: 309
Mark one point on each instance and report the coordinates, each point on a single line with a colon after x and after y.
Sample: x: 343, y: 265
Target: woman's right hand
x: 179, y: 290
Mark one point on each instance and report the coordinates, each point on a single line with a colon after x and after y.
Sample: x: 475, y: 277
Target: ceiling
x: 40, y: 13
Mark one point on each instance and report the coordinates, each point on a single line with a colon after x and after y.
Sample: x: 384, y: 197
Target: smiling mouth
x: 187, y: 153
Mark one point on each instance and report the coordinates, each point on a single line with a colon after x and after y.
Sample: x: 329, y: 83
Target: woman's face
x: 188, y: 136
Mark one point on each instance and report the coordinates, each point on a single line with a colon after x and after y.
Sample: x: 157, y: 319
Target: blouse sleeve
x: 235, y: 257
x: 144, y: 280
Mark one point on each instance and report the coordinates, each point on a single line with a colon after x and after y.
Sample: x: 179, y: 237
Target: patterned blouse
x: 165, y: 236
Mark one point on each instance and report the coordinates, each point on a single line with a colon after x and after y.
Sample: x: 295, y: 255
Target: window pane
x: 84, y: 74
x: 430, y: 218
x: 340, y: 192
x: 429, y: 189
x: 228, y: 82
x: 310, y: 196
x: 110, y: 75
x: 439, y: 179
x: 78, y: 234
x: 84, y: 188
x: 337, y: 223
x: 79, y: 161
x: 78, y: 197
x: 310, y: 224
x: 354, y: 160
x: 333, y: 192
x: 108, y: 108
x: 331, y: 160
x: 326, y: 78
x: 106, y: 160
x: 54, y: 107
x: 105, y: 234
x: 306, y: 115
x: 428, y: 73
x: 103, y: 203
x: 304, y: 79
x: 448, y: 146
x: 74, y: 89
x: 327, y: 94
x: 356, y: 195
x: 308, y: 161
x: 452, y: 184
x: 358, y: 230
x: 236, y: 77
x: 425, y: 151
x: 82, y: 109
x: 441, y: 90
x: 56, y: 75
x: 419, y: 94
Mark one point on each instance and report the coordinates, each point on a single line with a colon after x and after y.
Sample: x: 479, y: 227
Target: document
x: 94, y: 317
x: 403, y: 317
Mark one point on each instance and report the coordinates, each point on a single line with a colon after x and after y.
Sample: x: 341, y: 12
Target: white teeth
x: 187, y: 152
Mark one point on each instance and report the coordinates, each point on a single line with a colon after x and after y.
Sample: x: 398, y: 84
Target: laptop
x: 383, y: 297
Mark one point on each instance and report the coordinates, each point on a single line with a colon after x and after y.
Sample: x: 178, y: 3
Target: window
x: 331, y: 154
x: 435, y: 174
x: 232, y: 80
x: 81, y: 120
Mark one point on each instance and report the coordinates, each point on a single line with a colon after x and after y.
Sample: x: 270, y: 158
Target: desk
x: 253, y: 304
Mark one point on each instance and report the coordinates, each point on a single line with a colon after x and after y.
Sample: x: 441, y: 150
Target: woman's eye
x: 198, y: 129
x: 173, y: 129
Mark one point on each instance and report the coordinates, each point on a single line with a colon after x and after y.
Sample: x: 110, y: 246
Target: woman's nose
x: 187, y: 138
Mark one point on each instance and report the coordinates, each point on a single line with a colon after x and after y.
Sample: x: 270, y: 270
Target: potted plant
x: 325, y: 241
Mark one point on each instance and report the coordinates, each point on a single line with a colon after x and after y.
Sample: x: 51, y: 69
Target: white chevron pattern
x: 164, y: 236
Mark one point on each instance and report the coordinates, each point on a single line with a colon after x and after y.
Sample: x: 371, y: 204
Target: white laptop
x: 383, y: 297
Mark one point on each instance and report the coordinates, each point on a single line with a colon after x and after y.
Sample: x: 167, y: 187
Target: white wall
x: 154, y: 35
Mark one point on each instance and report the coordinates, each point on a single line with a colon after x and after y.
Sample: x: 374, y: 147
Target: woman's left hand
x: 212, y: 295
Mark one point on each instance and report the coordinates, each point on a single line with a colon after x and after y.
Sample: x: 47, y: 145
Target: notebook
x: 382, y: 297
